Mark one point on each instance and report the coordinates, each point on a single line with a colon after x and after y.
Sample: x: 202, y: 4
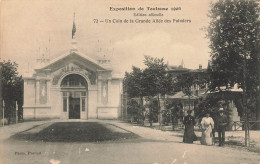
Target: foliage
x: 251, y: 104
x: 173, y: 112
x: 157, y: 81
x: 135, y: 110
x: 167, y: 116
x: 12, y: 85
x: 207, y: 105
x: 185, y: 81
x: 234, y: 42
x: 153, y: 111
x: 213, y: 102
x: 150, y: 82
x: 133, y: 83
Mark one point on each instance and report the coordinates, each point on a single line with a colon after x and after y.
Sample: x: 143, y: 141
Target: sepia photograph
x: 129, y: 82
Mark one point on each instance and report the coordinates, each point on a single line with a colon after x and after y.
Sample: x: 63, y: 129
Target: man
x: 222, y: 122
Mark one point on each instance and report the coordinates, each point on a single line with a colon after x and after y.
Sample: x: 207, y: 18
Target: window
x: 64, y: 104
x: 74, y: 81
x: 83, y: 93
x: 83, y: 105
x: 64, y: 94
x: 76, y: 94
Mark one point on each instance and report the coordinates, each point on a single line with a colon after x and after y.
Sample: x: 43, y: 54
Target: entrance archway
x: 74, y: 89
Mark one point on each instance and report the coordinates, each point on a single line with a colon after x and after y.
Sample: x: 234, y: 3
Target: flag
x: 73, y: 30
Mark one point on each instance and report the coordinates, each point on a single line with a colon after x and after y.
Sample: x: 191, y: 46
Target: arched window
x: 74, y: 80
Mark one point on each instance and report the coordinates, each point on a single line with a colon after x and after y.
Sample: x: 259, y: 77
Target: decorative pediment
x: 71, y: 57
x: 73, y: 68
x: 71, y: 62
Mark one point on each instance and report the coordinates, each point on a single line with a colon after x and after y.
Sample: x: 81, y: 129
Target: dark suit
x: 222, y: 124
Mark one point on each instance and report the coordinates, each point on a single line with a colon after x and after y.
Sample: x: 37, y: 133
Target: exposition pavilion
x: 73, y: 86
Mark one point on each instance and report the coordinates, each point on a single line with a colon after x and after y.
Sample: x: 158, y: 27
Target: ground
x: 107, y: 142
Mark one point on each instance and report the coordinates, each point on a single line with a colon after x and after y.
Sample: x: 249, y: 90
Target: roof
x: 234, y: 89
x: 67, y: 54
x: 181, y: 95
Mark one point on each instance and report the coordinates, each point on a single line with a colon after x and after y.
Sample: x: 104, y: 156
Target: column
x: 37, y: 91
x: 48, y: 91
x: 109, y: 90
x: 67, y: 105
x: 120, y: 86
x: 99, y: 94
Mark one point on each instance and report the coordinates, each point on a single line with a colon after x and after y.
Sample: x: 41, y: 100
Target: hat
x: 221, y: 110
x: 189, y: 111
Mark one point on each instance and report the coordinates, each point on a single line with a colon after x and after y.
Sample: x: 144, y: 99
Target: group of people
x: 208, y: 128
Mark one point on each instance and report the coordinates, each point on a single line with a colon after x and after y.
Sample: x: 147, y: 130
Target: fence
x: 239, y: 125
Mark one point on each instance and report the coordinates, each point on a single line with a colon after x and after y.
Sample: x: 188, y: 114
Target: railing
x: 239, y: 125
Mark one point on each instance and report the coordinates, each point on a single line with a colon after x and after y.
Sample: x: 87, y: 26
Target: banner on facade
x: 104, y: 92
x: 43, y: 92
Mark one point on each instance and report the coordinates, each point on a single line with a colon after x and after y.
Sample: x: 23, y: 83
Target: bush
x: 173, y: 112
x: 135, y: 110
x: 153, y: 112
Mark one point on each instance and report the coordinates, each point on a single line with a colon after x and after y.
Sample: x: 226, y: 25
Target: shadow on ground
x: 75, y: 132
x: 238, y: 142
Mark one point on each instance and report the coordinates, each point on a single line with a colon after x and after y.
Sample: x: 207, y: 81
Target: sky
x: 29, y: 27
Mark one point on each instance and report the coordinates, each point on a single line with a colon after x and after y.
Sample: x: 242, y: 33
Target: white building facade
x: 73, y: 86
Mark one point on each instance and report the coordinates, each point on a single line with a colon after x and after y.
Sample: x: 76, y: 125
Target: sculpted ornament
x: 73, y: 68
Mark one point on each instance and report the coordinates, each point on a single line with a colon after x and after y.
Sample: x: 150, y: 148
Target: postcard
x: 70, y: 104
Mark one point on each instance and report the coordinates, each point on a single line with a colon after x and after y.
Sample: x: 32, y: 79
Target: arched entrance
x: 74, y: 90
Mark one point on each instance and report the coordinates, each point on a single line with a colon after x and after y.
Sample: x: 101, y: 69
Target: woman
x: 189, y: 122
x: 207, y: 125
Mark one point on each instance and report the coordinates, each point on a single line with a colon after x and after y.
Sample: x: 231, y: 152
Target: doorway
x: 74, y: 108
x: 74, y: 97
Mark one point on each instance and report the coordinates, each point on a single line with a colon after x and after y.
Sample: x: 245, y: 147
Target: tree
x: 12, y: 87
x: 133, y: 109
x: 234, y: 36
x: 157, y: 81
x: 1, y: 92
x: 152, y: 113
x: 134, y: 86
x: 173, y: 112
x: 234, y: 41
x: 150, y: 82
x: 133, y: 83
x: 156, y: 76
x: 184, y: 82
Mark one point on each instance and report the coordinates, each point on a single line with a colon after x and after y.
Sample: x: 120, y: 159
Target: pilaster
x: 48, y: 91
x: 37, y: 91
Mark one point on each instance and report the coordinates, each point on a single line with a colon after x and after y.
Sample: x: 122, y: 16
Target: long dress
x: 189, y: 135
x: 207, y: 124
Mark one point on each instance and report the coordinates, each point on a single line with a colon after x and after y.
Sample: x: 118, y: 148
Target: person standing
x: 222, y: 122
x: 189, y: 122
x: 207, y: 125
